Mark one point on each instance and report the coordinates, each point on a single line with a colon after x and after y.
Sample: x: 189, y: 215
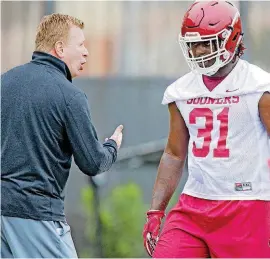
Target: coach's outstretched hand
x: 151, y: 229
x: 117, y: 136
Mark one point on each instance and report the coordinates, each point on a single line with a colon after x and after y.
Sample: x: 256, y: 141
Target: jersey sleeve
x: 180, y: 89
x: 260, y: 78
x: 170, y: 94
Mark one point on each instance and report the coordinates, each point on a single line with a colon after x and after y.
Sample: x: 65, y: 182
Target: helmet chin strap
x: 217, y: 65
x: 214, y: 70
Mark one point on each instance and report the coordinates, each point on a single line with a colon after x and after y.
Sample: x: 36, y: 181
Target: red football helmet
x: 217, y: 22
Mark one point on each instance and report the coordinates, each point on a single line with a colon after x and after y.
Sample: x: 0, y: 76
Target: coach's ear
x: 59, y: 49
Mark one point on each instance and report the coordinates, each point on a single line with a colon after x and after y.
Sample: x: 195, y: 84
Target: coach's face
x: 74, y: 52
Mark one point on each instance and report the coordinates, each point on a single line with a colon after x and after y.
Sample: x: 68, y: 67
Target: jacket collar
x: 49, y: 60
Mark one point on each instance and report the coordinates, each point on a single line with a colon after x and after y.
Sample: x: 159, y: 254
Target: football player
x: 219, y: 122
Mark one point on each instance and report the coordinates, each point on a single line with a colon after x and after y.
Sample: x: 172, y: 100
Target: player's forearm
x: 169, y: 174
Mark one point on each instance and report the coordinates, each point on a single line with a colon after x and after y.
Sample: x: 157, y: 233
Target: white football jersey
x: 229, y: 147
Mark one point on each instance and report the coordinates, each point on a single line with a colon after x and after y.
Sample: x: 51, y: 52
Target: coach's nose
x: 85, y: 52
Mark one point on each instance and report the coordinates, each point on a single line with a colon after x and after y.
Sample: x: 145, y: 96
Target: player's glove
x: 151, y: 229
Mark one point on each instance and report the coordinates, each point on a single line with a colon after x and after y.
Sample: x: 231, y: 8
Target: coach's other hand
x: 151, y: 229
x: 117, y: 136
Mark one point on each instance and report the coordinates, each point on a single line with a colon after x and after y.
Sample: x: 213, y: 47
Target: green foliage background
x: 122, y: 216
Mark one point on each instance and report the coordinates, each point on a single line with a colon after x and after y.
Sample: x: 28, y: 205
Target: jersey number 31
x: 220, y: 150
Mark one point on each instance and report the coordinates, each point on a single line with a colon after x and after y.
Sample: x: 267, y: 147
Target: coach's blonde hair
x: 53, y: 28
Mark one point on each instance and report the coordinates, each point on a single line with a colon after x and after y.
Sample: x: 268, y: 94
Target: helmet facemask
x: 218, y: 50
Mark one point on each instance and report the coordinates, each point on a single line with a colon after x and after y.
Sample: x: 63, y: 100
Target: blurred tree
x: 122, y: 216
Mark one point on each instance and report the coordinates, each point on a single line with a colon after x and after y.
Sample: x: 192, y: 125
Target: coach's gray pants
x: 27, y: 238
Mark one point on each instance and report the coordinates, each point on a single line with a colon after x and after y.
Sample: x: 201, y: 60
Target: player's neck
x: 224, y: 71
x: 211, y: 82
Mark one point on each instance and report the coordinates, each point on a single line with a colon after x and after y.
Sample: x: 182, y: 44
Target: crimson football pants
x: 199, y: 228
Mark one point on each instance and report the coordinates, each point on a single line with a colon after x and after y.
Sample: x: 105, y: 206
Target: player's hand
x: 151, y: 229
x: 117, y: 136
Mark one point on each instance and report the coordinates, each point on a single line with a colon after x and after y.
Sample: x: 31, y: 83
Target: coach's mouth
x: 82, y: 65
